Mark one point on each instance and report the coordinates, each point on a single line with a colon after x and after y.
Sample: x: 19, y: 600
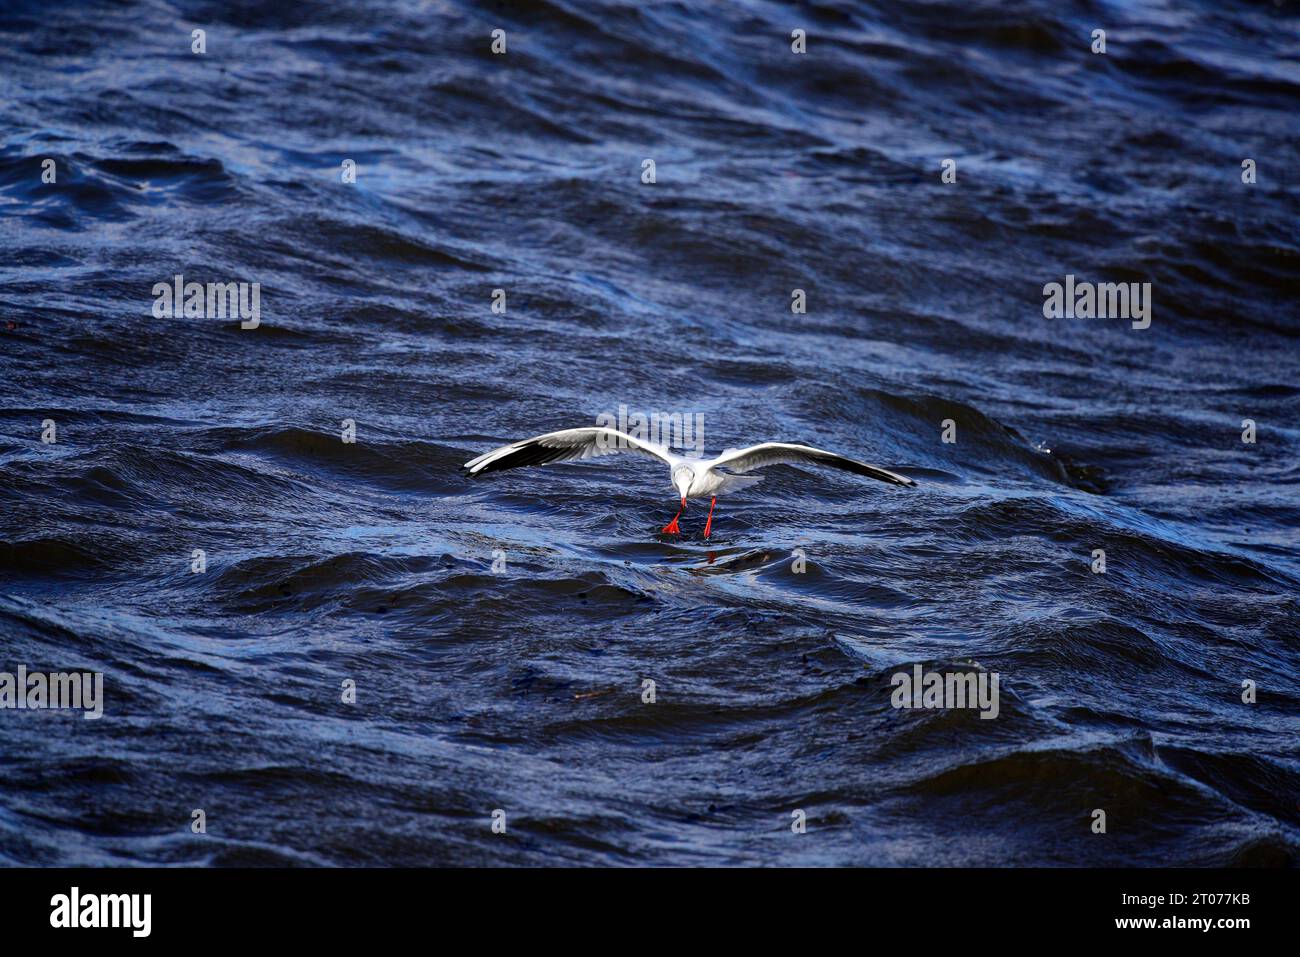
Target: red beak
x: 683, y: 503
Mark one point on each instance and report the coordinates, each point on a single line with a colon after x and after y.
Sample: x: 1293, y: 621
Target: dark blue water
x: 522, y: 691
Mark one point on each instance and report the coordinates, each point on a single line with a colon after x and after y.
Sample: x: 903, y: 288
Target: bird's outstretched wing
x: 783, y: 453
x: 564, y: 446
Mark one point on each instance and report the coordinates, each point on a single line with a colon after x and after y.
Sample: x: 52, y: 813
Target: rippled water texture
x: 522, y: 691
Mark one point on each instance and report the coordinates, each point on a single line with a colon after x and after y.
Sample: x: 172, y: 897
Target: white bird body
x: 691, y: 477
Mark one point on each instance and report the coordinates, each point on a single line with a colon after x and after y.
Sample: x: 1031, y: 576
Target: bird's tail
x: 732, y: 483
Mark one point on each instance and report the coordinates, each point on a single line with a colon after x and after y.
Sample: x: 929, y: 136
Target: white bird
x: 693, y: 478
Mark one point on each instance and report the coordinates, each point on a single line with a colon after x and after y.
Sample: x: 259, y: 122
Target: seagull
x: 693, y: 478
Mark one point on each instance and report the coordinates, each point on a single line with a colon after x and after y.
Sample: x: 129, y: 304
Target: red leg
x: 672, y: 528
x: 709, y: 523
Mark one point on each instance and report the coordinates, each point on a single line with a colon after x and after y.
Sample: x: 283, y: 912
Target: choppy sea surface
x: 522, y: 690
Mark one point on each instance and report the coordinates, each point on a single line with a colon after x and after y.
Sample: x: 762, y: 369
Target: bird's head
x: 683, y: 476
